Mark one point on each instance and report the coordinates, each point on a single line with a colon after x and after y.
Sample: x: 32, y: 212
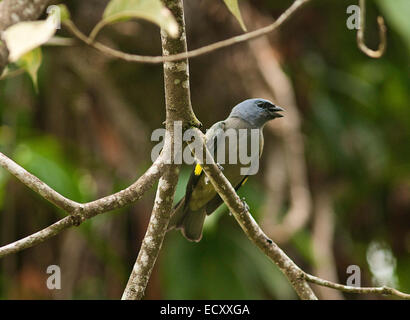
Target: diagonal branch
x: 38, y: 237
x: 240, y: 211
x: 298, y: 278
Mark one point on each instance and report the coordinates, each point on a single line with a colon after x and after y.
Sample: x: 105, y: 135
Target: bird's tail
x: 190, y: 222
x: 177, y: 215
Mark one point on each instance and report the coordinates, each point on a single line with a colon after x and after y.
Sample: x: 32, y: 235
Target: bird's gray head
x: 256, y: 111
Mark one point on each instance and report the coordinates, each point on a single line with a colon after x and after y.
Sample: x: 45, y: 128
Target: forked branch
x: 78, y: 211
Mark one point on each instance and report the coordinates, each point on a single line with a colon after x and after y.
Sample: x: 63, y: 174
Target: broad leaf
x: 233, y: 6
x: 151, y: 10
x: 23, y: 37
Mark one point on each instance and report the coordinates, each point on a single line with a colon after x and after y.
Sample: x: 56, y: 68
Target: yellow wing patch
x: 198, y: 169
x: 244, y: 181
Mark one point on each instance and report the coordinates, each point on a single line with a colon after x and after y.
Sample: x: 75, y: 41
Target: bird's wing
x: 197, y: 173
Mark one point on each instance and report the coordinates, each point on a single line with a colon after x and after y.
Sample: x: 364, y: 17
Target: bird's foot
x: 219, y: 166
x: 245, y: 204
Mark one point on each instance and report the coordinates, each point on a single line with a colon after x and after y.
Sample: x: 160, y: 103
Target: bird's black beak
x: 273, y: 110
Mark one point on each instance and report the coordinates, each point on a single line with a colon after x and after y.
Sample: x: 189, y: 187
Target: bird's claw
x: 219, y: 166
x: 245, y: 204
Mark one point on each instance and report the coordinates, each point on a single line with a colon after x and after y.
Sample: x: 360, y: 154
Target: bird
x: 200, y: 198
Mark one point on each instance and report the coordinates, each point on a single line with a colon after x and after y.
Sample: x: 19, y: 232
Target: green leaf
x: 397, y: 15
x: 151, y: 10
x: 233, y: 6
x: 64, y: 13
x: 31, y: 62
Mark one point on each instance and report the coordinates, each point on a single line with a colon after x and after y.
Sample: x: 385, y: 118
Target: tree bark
x: 178, y: 108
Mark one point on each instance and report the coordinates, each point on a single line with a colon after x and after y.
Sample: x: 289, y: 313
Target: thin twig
x: 38, y: 237
x: 350, y: 289
x: 360, y: 34
x: 190, y: 54
x: 241, y: 213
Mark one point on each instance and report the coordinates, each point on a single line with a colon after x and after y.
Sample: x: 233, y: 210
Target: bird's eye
x: 260, y: 104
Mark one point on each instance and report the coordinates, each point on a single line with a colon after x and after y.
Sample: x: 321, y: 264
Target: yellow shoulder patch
x: 198, y: 169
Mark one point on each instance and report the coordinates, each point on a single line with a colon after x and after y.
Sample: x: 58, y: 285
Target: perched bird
x: 200, y: 197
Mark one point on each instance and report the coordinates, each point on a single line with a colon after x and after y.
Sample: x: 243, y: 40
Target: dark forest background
x: 87, y: 134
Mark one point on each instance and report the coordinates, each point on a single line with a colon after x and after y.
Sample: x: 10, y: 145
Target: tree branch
x: 350, y: 289
x: 38, y: 237
x: 297, y: 277
x: 178, y: 108
x: 79, y: 212
x: 190, y: 54
x: 154, y: 237
x: 241, y: 213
